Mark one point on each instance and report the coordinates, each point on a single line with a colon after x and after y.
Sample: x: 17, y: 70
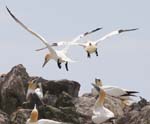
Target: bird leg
x: 66, y: 65
x: 59, y: 64
x: 96, y: 52
x: 88, y: 54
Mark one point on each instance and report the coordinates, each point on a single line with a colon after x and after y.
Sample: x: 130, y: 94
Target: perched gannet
x: 34, y: 119
x: 116, y: 92
x: 32, y: 85
x: 59, y: 56
x: 39, y: 91
x: 100, y: 113
x: 92, y: 46
x: 33, y: 88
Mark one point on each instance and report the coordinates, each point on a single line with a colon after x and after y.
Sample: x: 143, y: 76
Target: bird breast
x: 91, y: 49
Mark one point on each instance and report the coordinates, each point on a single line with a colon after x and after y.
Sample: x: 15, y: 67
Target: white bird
x: 33, y: 88
x: 100, y: 113
x: 117, y: 92
x: 92, y: 46
x: 34, y: 119
x: 39, y: 91
x: 73, y: 42
x: 59, y: 56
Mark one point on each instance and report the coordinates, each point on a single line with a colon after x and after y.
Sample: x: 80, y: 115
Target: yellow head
x: 34, y: 115
x: 32, y: 85
x: 47, y: 58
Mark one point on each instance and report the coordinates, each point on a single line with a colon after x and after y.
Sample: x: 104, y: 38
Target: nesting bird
x: 34, y: 119
x: 100, y: 113
x: 34, y: 87
x: 116, y: 92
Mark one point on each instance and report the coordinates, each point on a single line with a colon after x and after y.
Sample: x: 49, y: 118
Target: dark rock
x: 60, y: 102
x: 34, y: 99
x: 12, y: 92
x: 57, y: 87
x: 4, y: 118
x: 139, y: 113
x: 67, y: 114
x: 20, y: 116
x: 64, y: 100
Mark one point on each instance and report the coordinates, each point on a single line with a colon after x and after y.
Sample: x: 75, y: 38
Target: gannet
x: 39, y: 91
x: 58, y: 55
x: 32, y: 85
x: 114, y: 91
x: 73, y: 42
x: 100, y: 113
x: 92, y: 46
x: 34, y: 119
x: 33, y: 88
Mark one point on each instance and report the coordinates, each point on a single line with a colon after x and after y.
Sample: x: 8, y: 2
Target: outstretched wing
x: 73, y: 42
x: 32, y: 32
x: 116, y: 32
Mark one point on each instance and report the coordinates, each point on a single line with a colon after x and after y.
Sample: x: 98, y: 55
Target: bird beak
x: 96, y: 87
x: 44, y: 63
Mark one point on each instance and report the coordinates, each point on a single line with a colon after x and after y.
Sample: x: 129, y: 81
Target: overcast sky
x: 123, y: 60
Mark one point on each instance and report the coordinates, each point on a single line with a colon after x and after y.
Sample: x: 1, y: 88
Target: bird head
x: 32, y: 85
x: 98, y: 82
x: 47, y: 58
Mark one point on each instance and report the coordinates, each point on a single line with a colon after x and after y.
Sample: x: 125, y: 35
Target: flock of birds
x: 100, y: 113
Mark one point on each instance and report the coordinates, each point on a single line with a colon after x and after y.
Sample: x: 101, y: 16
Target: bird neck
x: 34, y: 115
x: 100, y: 100
x: 30, y: 91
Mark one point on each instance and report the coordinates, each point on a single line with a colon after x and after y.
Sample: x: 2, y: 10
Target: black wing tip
x: 54, y: 44
x: 97, y: 29
x: 7, y: 8
x: 124, y: 30
x: 132, y: 92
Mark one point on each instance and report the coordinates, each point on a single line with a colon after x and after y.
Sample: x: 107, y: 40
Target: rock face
x: 60, y: 102
x: 138, y: 113
x: 4, y: 119
x: 12, y: 91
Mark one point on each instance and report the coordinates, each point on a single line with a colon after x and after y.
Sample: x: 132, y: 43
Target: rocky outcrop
x: 58, y: 96
x: 4, y: 118
x: 12, y: 91
x: 60, y: 102
x: 138, y: 113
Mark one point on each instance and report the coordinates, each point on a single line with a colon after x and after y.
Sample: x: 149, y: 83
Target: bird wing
x: 114, y: 91
x: 73, y: 42
x: 32, y: 32
x: 63, y: 56
x: 116, y: 32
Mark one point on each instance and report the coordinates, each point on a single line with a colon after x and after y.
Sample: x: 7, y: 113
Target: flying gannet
x: 58, y: 55
x: 116, y: 92
x: 92, y: 46
x: 34, y: 119
x: 100, y: 113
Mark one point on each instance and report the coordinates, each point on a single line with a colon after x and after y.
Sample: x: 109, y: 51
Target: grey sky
x: 123, y: 60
